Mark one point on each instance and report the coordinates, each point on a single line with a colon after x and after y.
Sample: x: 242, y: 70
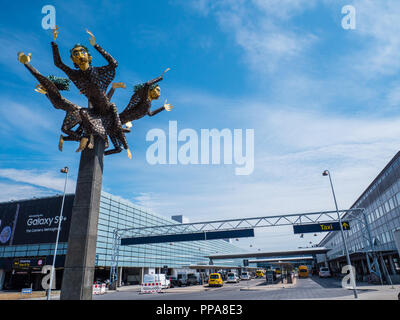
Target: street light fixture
x: 327, y: 173
x: 63, y: 170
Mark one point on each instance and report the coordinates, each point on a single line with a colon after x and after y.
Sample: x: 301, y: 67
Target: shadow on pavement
x: 334, y: 283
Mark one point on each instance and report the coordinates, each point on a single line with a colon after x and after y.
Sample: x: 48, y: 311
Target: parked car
x: 232, y: 277
x: 324, y: 272
x: 215, y: 279
x: 178, y: 281
x: 259, y: 274
x: 191, y: 279
x: 245, y: 276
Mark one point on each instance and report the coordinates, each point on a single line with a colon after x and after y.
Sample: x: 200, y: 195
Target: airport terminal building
x: 381, y: 203
x: 28, y: 230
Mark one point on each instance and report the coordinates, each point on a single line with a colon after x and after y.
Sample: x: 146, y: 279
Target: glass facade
x: 381, y: 201
x: 116, y: 213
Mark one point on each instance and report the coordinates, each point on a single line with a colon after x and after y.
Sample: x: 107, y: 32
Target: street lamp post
x: 63, y: 170
x: 327, y: 173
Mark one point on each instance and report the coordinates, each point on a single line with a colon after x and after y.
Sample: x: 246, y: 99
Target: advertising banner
x: 34, y: 221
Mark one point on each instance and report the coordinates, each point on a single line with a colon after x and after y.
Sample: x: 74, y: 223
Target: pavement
x: 302, y: 289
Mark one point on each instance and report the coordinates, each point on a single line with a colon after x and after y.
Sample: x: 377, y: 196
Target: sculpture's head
x: 80, y: 57
x: 155, y: 92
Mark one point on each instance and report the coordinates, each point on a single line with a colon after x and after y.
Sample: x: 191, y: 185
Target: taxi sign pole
x: 63, y: 170
x: 327, y: 173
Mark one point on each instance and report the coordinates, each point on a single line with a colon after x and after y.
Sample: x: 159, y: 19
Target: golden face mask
x: 81, y: 57
x: 155, y: 93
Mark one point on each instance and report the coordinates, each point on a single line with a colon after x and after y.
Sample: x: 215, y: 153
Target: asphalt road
x: 255, y: 289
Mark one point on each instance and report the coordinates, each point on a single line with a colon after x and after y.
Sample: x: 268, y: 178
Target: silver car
x: 232, y: 278
x: 324, y: 272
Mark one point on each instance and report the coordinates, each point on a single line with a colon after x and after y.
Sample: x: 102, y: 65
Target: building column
x: 119, y: 276
x: 2, y: 277
x: 392, y: 268
x: 364, y: 268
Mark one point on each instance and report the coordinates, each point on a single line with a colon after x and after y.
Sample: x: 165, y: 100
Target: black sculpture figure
x: 101, y: 118
x: 140, y: 102
x: 50, y: 86
x: 93, y: 83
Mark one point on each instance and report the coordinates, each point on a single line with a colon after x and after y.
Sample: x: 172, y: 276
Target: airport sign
x: 320, y: 227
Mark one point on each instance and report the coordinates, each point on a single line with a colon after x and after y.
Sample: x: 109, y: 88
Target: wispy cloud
x: 38, y: 178
x: 266, y: 39
x: 377, y: 23
x: 11, y: 191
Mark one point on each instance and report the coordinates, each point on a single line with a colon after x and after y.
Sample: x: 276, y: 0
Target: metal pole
x: 64, y: 170
x: 341, y: 231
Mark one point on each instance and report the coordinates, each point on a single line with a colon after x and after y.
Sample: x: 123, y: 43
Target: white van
x: 232, y: 277
x: 153, y: 279
x: 245, y: 276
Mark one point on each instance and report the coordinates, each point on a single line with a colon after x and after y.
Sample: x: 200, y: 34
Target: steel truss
x: 222, y: 225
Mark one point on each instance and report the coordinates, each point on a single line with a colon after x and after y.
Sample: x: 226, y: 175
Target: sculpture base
x: 81, y: 253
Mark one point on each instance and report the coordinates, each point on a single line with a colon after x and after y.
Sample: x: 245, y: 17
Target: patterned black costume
x: 139, y: 105
x: 72, y: 117
x: 101, y: 126
x: 93, y: 83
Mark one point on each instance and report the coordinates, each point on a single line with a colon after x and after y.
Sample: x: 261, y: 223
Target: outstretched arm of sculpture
x: 23, y: 58
x: 114, y: 86
x: 158, y: 79
x: 56, y: 54
x: 111, y: 61
x: 46, y: 85
x: 166, y: 106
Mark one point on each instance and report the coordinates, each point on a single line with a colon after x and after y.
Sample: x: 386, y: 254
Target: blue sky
x: 317, y: 96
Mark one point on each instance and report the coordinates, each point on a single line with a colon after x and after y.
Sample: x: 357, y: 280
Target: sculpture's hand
x: 167, y: 106
x: 40, y: 89
x: 92, y: 39
x: 118, y: 85
x: 23, y: 58
x: 55, y: 33
x: 165, y: 72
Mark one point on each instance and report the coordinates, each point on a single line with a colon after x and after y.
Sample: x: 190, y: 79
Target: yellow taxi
x: 259, y: 274
x: 215, y: 279
x: 303, y: 272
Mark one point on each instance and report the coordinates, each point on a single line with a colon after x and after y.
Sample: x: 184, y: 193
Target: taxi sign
x: 320, y: 227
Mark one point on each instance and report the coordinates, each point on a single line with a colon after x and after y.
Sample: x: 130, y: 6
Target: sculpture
x: 101, y: 118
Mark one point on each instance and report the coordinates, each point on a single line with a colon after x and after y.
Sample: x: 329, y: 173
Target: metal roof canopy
x: 196, y: 236
x: 275, y: 260
x: 210, y: 266
x: 233, y: 224
x: 307, y: 251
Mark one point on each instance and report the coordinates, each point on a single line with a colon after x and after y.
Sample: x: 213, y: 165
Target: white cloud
x: 377, y: 24
x: 266, y: 38
x: 38, y: 178
x: 11, y: 191
x: 292, y: 150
